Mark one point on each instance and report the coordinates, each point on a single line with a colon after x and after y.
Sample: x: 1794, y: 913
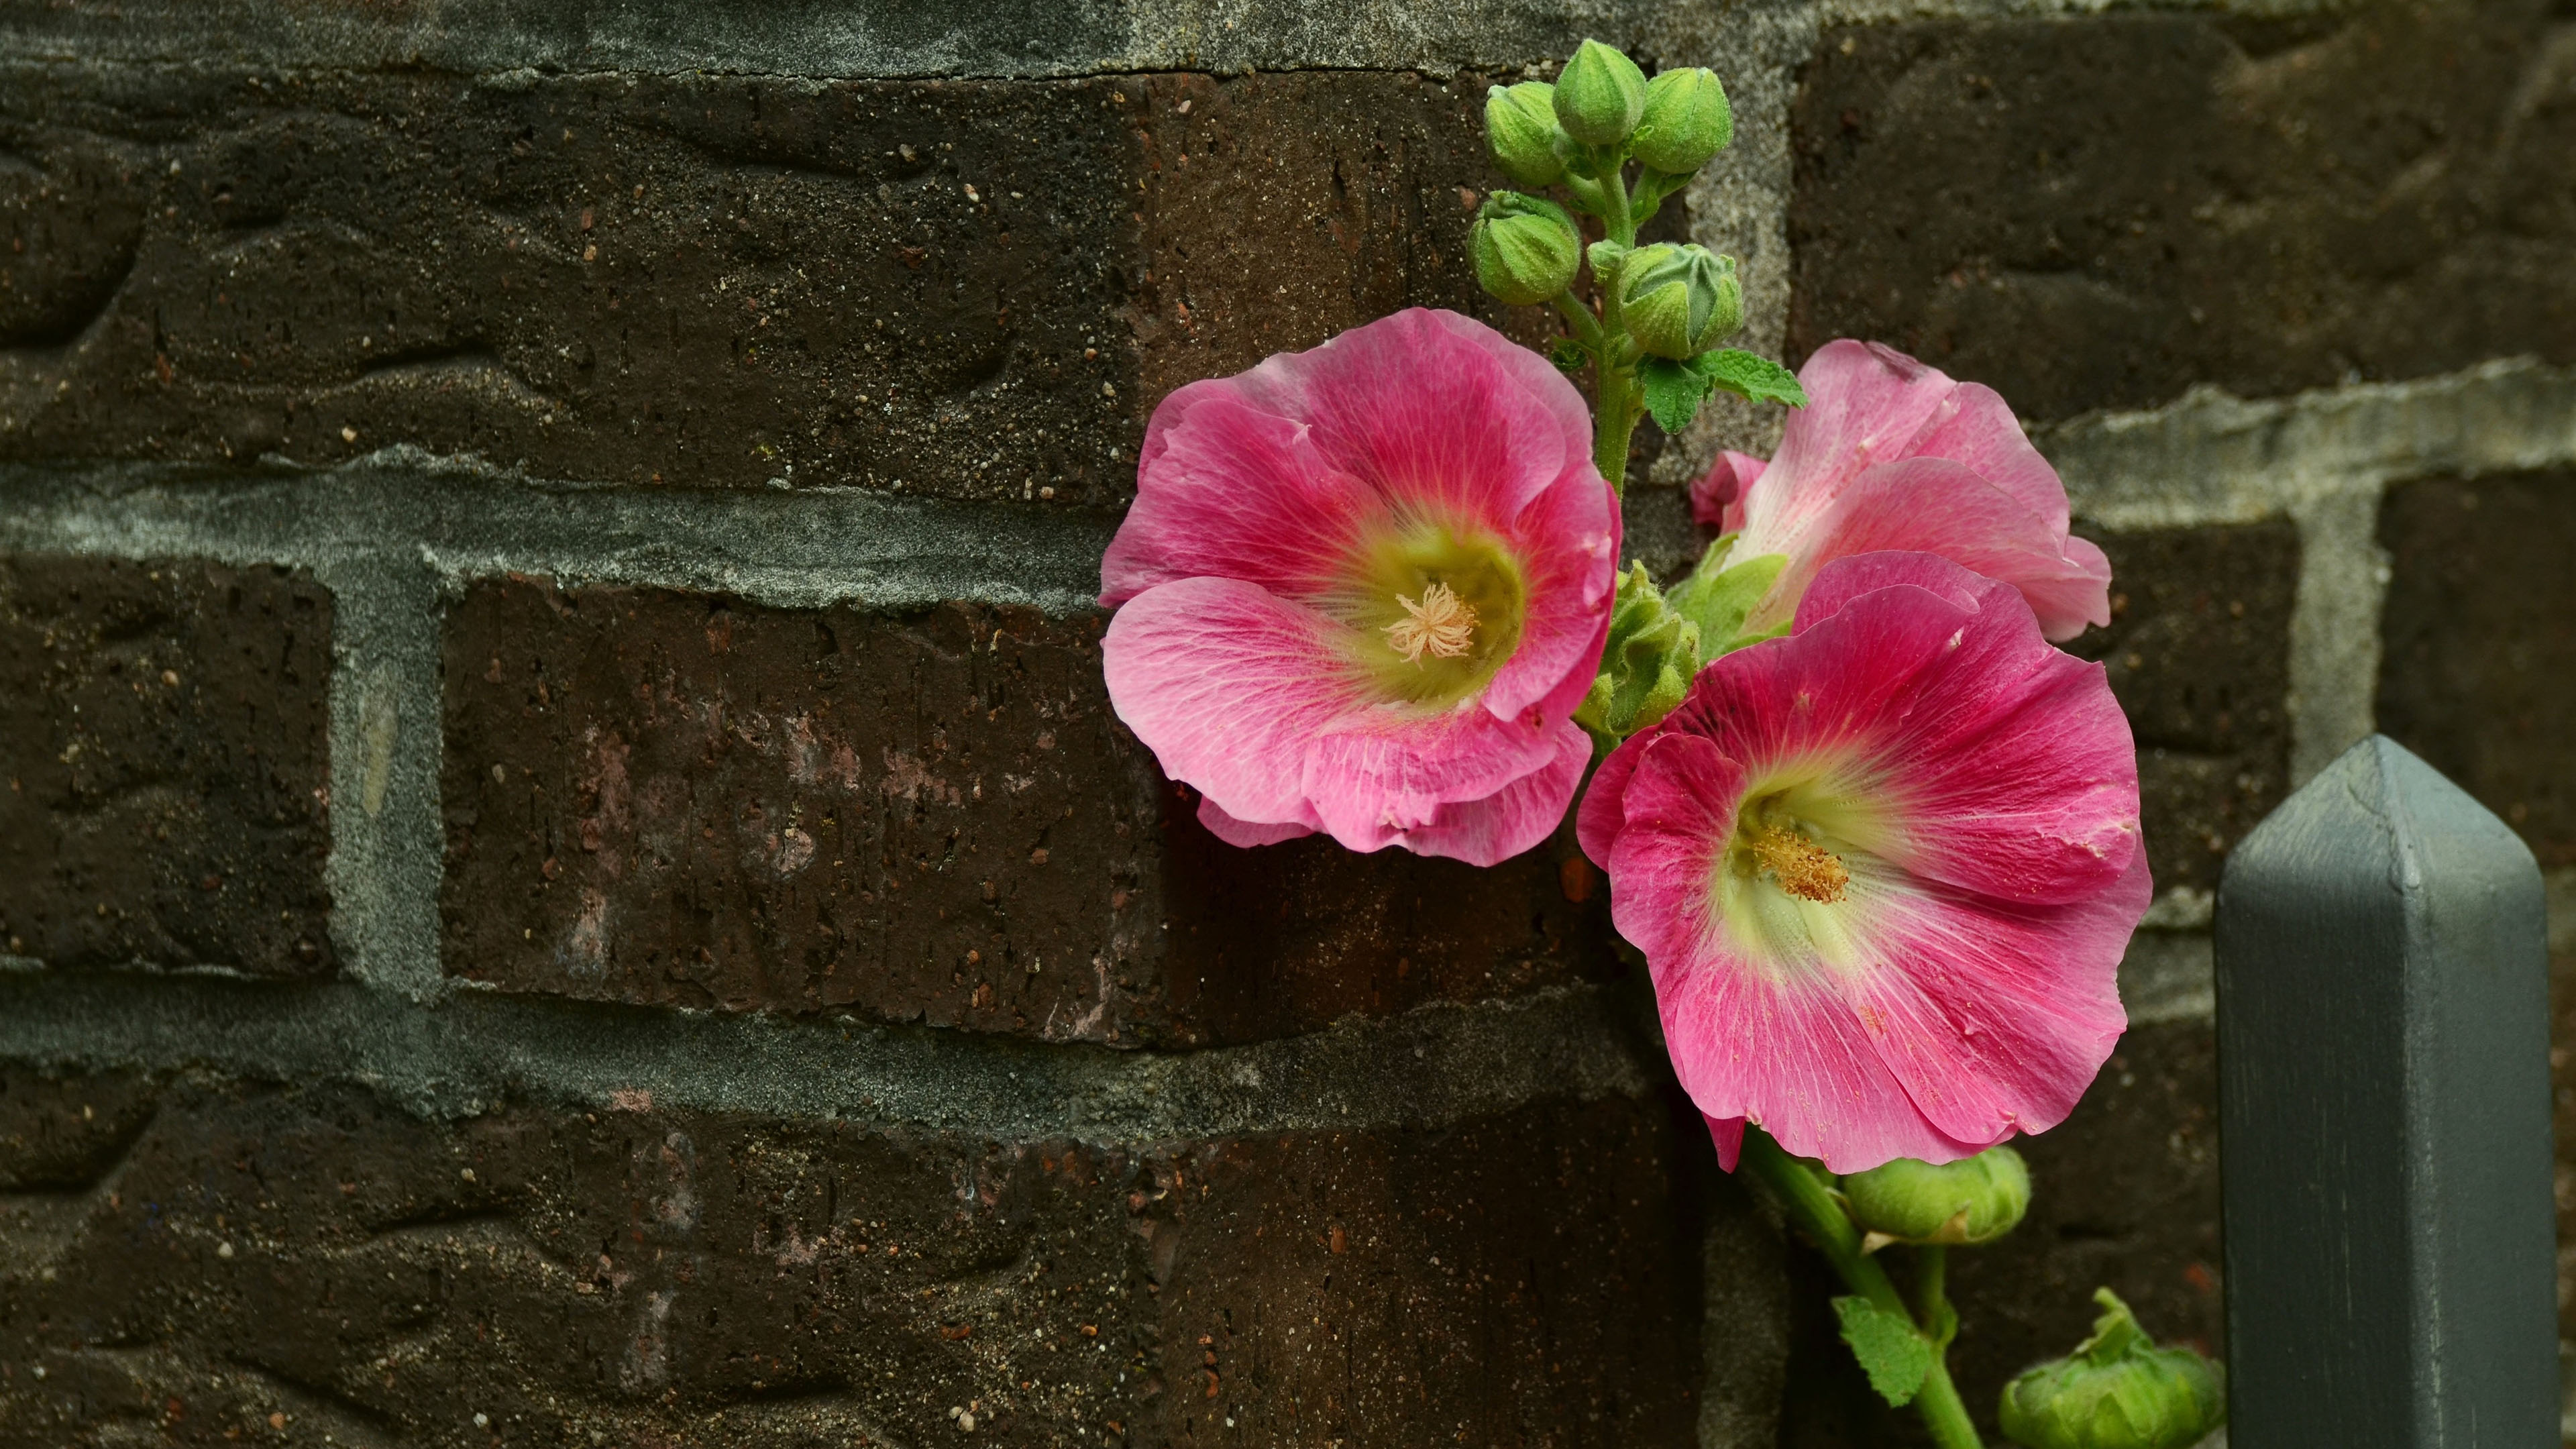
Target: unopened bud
x: 1646, y: 665
x: 1974, y: 1200
x: 1526, y: 247
x: 1521, y: 129
x: 1686, y: 121
x: 1678, y: 302
x: 2117, y: 1391
x: 1599, y: 95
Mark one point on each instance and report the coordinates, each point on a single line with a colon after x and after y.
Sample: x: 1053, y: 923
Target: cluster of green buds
x: 1659, y: 312
x: 2116, y: 1391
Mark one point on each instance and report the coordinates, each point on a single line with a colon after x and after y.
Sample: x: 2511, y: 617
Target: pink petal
x: 1996, y: 1018
x: 1568, y: 544
x: 1386, y: 775
x: 1247, y: 833
x: 1514, y: 818
x: 1226, y: 684
x: 1717, y: 499
x: 1936, y: 506
x: 1229, y: 491
x: 1727, y: 1133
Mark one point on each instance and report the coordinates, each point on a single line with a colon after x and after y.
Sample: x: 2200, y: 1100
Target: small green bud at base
x: 1599, y: 95
x: 1685, y: 122
x: 2116, y: 1391
x: 1526, y: 248
x: 1646, y: 664
x: 1974, y: 1200
x: 1521, y: 130
x: 1678, y: 302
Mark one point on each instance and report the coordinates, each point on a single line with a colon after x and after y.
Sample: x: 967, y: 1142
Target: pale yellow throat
x: 1441, y: 625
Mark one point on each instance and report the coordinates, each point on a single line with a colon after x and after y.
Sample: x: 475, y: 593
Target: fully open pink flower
x: 1882, y: 869
x: 1891, y: 454
x: 1363, y: 588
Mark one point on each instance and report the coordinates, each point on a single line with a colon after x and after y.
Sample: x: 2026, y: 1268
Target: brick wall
x: 573, y: 881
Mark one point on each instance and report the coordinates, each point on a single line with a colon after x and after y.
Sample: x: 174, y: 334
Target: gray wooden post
x: 2383, y: 1049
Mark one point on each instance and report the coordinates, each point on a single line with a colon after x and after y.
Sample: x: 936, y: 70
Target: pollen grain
x: 1803, y: 868
x: 1442, y: 625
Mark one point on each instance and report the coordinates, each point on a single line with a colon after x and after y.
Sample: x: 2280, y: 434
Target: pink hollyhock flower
x: 1363, y: 588
x: 1882, y: 869
x: 1891, y: 454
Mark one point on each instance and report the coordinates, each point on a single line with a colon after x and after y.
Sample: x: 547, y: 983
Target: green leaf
x: 1756, y: 379
x: 1568, y: 354
x: 1673, y: 392
x: 1896, y: 1358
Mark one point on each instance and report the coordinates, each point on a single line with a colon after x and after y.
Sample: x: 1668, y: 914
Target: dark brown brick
x: 165, y: 735
x: 962, y: 288
x: 2104, y: 212
x: 2124, y: 1195
x: 2478, y: 666
x: 671, y: 798
x: 651, y: 1276
x: 2199, y: 654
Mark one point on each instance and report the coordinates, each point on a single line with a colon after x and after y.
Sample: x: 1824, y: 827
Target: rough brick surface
x: 2198, y: 651
x: 164, y: 733
x: 2103, y: 213
x: 661, y: 797
x: 2124, y: 1195
x: 2478, y: 666
x: 971, y: 289
x: 190, y: 1262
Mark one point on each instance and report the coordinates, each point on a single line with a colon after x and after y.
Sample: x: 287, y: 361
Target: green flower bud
x: 1526, y: 247
x: 2117, y: 1391
x: 1520, y: 127
x: 1686, y: 121
x: 1679, y: 302
x: 1647, y: 665
x: 1976, y: 1200
x: 1599, y: 95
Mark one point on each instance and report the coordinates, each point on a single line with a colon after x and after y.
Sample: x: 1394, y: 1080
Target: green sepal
x: 1749, y: 376
x: 1672, y: 390
x: 1722, y: 591
x: 2116, y: 1391
x: 1646, y: 665
x: 1896, y: 1357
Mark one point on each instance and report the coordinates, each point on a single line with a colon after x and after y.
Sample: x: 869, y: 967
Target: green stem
x: 1931, y: 1269
x: 1823, y: 1221
x: 1580, y: 321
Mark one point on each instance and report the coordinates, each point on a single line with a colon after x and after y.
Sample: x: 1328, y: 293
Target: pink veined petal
x: 1230, y: 491
x: 1727, y: 1135
x: 1976, y: 427
x: 2005, y: 765
x: 1226, y: 684
x: 1748, y: 1040
x: 1568, y: 545
x: 1248, y: 833
x: 1514, y: 818
x: 1437, y: 412
x: 1996, y: 1018
x: 1937, y: 506
x: 1866, y: 404
x: 1383, y: 776
x: 1717, y: 499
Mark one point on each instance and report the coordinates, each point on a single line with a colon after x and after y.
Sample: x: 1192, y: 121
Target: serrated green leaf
x: 1722, y: 590
x: 1748, y: 376
x: 1568, y: 354
x: 1672, y: 391
x: 1896, y: 1358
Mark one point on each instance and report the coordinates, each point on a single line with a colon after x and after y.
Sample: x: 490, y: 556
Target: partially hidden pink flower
x: 1882, y: 870
x: 1363, y: 588
x: 1892, y: 454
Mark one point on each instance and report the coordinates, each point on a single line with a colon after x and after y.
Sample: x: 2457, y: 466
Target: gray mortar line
x: 915, y: 39
x: 476, y: 1051
x: 2321, y: 459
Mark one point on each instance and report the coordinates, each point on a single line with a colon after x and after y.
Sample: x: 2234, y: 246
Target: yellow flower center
x: 1802, y: 867
x: 1442, y: 625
